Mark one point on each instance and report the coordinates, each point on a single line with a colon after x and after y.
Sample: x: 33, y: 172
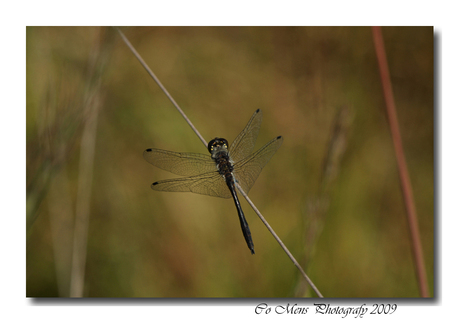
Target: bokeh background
x: 331, y: 192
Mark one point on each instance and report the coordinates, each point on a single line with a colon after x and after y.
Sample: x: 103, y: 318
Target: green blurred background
x: 331, y: 192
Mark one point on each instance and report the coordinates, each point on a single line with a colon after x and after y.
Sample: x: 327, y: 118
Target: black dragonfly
x: 216, y: 175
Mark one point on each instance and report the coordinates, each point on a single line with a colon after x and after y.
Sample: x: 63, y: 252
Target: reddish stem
x: 401, y: 160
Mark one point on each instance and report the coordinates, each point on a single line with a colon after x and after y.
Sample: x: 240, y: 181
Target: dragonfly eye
x: 211, y: 145
x: 216, y: 143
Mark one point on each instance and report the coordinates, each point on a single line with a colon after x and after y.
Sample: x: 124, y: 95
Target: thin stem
x: 88, y: 143
x: 205, y: 143
x: 154, y: 77
x: 401, y: 160
x: 279, y: 241
x: 91, y: 106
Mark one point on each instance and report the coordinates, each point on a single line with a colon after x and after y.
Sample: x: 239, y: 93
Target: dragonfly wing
x: 247, y: 170
x: 209, y: 184
x: 244, y: 143
x: 184, y: 164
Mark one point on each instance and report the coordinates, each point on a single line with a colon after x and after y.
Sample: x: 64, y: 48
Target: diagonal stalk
x: 206, y: 144
x: 154, y: 77
x: 262, y: 218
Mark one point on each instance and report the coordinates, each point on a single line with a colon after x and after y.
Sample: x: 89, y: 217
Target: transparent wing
x: 244, y: 143
x: 210, y: 184
x: 247, y: 170
x: 184, y: 164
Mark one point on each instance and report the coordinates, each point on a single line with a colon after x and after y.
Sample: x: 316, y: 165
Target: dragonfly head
x: 217, y: 145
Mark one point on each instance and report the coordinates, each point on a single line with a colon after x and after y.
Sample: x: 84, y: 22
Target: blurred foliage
x: 347, y: 226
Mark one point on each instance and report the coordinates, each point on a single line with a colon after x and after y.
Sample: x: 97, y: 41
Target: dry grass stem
x: 205, y: 143
x: 154, y: 77
x: 92, y: 104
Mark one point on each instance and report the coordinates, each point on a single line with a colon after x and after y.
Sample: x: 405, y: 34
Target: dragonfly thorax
x: 218, y: 148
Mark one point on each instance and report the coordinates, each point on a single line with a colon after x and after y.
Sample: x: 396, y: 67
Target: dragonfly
x: 216, y: 174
